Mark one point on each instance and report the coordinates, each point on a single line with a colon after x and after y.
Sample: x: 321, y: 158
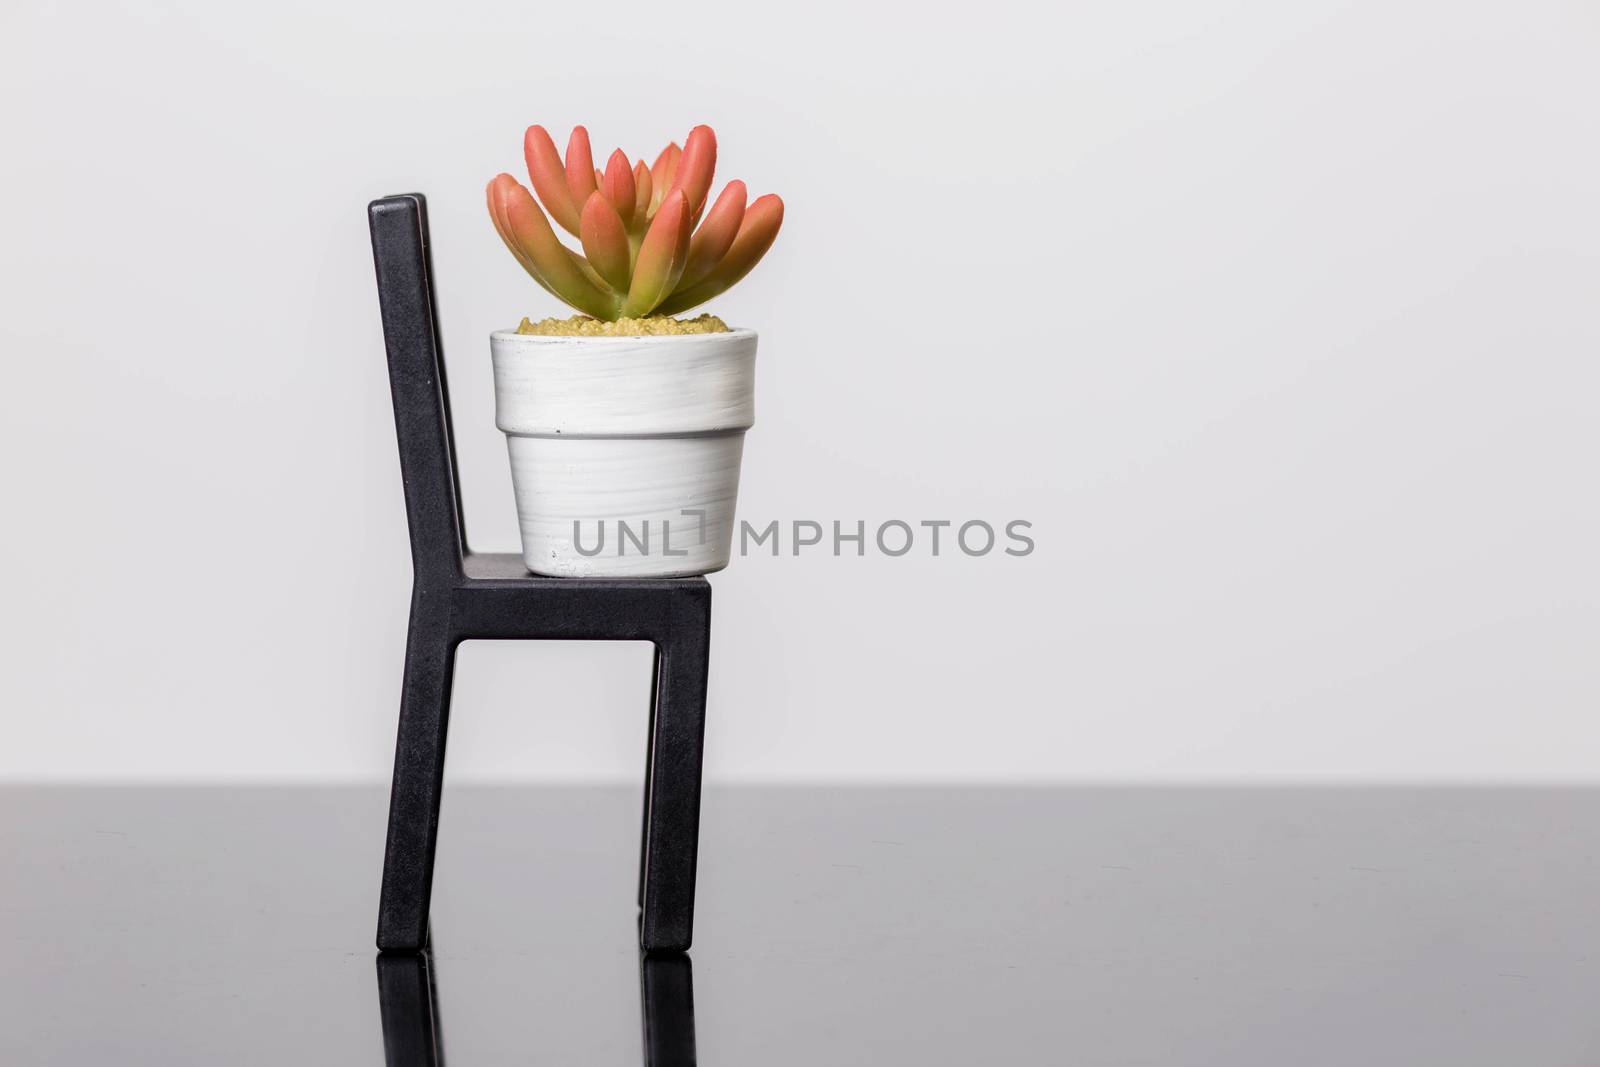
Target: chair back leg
x: 418, y: 782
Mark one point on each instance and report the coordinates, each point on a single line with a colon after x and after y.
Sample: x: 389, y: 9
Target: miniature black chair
x: 460, y: 595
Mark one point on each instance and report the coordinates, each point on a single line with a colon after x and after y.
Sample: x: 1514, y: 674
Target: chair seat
x: 509, y: 567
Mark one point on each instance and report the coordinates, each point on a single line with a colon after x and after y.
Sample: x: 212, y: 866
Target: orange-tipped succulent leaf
x: 527, y: 233
x: 549, y: 177
x: 503, y: 229
x: 662, y: 172
x: 617, y: 184
x: 696, y: 167
x: 661, y: 257
x: 641, y: 194
x: 757, y: 231
x: 580, y: 167
x: 715, y: 235
x: 605, y: 242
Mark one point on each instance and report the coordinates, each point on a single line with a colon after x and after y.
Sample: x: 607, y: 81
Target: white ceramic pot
x: 625, y: 450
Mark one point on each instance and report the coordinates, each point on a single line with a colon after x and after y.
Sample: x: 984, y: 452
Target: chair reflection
x: 409, y: 1004
x: 666, y: 994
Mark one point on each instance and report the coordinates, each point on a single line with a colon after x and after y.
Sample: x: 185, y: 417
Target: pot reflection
x: 409, y: 1004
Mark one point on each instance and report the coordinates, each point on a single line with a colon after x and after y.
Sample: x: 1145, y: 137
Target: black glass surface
x: 839, y: 926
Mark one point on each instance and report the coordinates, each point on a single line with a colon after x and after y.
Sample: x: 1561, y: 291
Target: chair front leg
x: 672, y: 791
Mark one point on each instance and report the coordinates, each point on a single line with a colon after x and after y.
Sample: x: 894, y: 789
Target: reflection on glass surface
x: 410, y: 1010
x: 666, y: 994
x: 1201, y: 926
x: 409, y: 1004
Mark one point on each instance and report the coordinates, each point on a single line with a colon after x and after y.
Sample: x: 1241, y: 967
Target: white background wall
x: 1277, y: 320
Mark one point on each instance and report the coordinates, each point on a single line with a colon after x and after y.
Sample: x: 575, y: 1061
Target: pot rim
x: 669, y: 385
x: 513, y: 337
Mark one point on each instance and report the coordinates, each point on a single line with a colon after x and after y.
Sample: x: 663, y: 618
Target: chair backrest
x: 417, y: 383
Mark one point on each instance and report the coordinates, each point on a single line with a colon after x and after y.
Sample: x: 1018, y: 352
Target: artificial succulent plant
x: 646, y: 248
